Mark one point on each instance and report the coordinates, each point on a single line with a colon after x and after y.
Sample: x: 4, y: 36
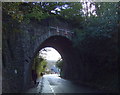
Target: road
x: 52, y: 83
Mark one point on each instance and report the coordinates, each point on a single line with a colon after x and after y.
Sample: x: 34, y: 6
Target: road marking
x: 52, y: 90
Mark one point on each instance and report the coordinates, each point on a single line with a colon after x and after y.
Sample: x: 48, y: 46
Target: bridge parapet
x: 60, y: 31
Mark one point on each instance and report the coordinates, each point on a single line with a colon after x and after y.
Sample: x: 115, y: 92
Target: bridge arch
x: 33, y: 37
x: 68, y: 53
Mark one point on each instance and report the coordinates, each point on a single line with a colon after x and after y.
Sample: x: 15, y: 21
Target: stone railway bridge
x: 20, y: 46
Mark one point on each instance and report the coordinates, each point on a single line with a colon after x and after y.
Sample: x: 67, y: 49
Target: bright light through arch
x: 50, y: 53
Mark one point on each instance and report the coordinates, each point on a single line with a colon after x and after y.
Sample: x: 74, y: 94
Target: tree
x: 21, y: 11
x: 39, y: 65
x: 59, y: 64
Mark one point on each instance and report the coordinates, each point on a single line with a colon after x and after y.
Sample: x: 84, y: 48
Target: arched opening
x: 68, y: 54
x: 47, y: 61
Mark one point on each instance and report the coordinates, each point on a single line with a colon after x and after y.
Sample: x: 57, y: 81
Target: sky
x: 50, y: 54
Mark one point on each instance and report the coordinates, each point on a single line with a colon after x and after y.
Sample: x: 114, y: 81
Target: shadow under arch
x: 59, y: 43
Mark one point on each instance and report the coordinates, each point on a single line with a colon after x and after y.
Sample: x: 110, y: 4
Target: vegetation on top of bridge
x: 26, y: 11
x: 77, y: 13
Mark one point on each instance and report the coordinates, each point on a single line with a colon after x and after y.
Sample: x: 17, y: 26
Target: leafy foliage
x: 103, y: 25
x: 39, y: 65
x: 23, y: 11
x: 59, y: 64
x: 26, y: 11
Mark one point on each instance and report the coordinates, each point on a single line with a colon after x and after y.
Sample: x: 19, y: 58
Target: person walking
x: 41, y: 74
x: 34, y: 76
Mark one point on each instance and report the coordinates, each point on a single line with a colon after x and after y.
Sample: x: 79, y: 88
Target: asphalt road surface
x: 52, y: 83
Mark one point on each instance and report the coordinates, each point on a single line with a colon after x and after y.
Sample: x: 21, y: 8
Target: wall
x: 20, y: 44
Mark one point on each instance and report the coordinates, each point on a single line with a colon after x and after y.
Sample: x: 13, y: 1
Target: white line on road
x: 52, y: 90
